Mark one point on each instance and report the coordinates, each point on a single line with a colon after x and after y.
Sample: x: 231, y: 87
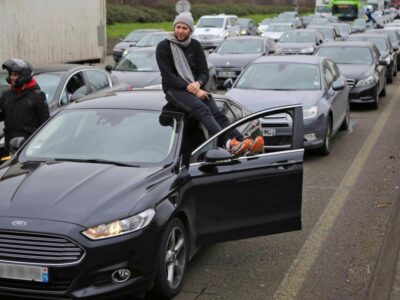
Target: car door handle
x: 284, y: 164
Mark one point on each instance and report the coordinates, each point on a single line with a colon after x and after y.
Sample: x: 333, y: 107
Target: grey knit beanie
x: 185, y: 18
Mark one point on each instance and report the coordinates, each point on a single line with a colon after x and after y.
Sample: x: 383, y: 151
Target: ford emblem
x: 19, y: 223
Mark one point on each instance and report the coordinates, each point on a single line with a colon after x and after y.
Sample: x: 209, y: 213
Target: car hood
x: 232, y: 60
x: 255, y: 100
x: 208, y: 31
x: 356, y: 72
x: 123, y: 45
x: 73, y: 192
x: 273, y: 35
x: 295, y: 45
x: 138, y: 79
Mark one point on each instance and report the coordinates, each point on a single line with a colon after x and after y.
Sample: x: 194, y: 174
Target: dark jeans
x: 206, y: 112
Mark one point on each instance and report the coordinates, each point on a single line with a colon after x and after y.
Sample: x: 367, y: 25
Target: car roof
x: 346, y: 43
x: 368, y: 35
x: 247, y: 37
x: 136, y: 99
x: 38, y: 69
x: 306, y: 59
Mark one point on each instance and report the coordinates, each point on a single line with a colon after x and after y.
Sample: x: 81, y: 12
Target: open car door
x: 247, y: 196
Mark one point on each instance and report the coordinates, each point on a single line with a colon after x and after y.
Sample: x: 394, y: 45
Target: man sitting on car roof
x: 184, y: 73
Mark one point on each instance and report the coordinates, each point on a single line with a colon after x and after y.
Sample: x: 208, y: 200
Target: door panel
x: 250, y: 195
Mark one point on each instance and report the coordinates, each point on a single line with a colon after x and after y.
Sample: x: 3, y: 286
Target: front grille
x: 277, y: 140
x: 53, y: 286
x: 351, y: 82
x: 38, y: 249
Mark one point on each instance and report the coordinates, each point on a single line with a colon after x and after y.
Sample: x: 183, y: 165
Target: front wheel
x: 172, y: 261
x: 326, y: 147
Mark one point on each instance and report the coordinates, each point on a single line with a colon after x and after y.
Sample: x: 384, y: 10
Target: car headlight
x: 307, y: 50
x: 367, y: 81
x: 120, y: 227
x: 310, y: 112
x: 2, y: 140
x: 243, y: 32
x: 222, y: 34
x: 125, y: 52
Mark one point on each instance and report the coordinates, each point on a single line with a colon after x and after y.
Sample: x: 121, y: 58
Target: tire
x: 325, y: 149
x: 346, y: 122
x: 375, y: 104
x: 171, y: 262
x: 390, y: 76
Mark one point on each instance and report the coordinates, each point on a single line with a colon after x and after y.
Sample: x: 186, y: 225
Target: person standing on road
x: 23, y: 107
x: 184, y: 73
x: 368, y: 13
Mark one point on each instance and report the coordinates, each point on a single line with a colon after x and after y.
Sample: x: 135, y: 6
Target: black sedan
x: 329, y: 32
x: 65, y: 83
x: 302, y: 41
x: 139, y: 69
x: 394, y: 37
x: 84, y: 216
x: 235, y: 53
x: 359, y: 63
x: 315, y: 82
x: 385, y: 47
x: 129, y: 41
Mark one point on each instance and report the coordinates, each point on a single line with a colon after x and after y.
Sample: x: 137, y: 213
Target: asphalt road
x: 348, y: 199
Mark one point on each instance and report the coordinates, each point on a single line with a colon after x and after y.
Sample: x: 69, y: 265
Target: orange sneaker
x: 238, y: 148
x: 257, y: 146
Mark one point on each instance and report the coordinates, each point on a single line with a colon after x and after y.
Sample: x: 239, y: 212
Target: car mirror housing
x: 383, y: 62
x: 216, y: 155
x: 337, y: 85
x: 16, y: 143
x: 228, y: 83
x: 109, y: 68
x: 76, y: 96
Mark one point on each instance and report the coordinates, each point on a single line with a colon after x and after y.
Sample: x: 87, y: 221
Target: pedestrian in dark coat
x: 23, y: 107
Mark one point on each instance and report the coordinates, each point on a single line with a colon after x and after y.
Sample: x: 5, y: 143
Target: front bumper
x: 277, y: 133
x: 90, y: 277
x: 363, y: 94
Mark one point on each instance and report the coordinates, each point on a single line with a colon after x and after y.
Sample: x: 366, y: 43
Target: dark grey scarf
x: 181, y: 63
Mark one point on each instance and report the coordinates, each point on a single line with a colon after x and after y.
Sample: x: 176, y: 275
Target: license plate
x: 269, y: 131
x: 227, y: 74
x: 21, y: 272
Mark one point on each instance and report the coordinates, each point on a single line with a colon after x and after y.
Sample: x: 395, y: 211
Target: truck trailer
x: 53, y: 31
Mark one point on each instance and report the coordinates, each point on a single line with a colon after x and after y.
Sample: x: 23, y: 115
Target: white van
x: 322, y: 8
x: 212, y: 30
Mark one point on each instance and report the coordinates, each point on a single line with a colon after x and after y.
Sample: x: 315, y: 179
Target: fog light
x: 121, y: 275
x: 310, y: 136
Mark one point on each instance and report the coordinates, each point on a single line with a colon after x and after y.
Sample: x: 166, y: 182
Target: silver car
x: 314, y: 82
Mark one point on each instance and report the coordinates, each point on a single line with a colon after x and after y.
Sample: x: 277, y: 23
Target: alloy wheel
x: 175, y: 257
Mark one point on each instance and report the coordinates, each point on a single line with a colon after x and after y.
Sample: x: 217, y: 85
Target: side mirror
x: 75, y: 97
x: 338, y: 86
x: 16, y: 143
x: 217, y: 155
x: 228, y: 26
x: 109, y: 68
x: 228, y: 83
x: 383, y: 62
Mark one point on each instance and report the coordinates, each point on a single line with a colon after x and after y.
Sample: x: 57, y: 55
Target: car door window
x: 75, y: 85
x: 226, y: 110
x: 97, y: 80
x: 332, y: 69
x: 237, y: 111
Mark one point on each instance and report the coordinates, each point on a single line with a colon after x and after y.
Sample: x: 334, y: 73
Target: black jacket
x: 23, y: 112
x: 197, y: 61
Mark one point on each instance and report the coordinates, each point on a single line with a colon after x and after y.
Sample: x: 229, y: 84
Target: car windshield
x: 380, y: 42
x: 151, y: 40
x: 240, y: 46
x: 280, y: 76
x: 138, y: 62
x: 326, y: 32
x: 297, y: 37
x: 134, y: 36
x: 319, y: 21
x: 243, y: 23
x: 128, y: 136
x: 347, y: 55
x: 210, y: 23
x: 278, y: 27
x: 49, y: 83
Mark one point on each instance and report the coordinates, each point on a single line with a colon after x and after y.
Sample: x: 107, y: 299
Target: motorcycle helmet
x: 23, y: 68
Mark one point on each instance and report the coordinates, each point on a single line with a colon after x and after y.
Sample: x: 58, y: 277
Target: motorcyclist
x: 23, y: 107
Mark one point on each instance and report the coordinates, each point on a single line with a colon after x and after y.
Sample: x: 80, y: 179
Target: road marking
x: 295, y: 277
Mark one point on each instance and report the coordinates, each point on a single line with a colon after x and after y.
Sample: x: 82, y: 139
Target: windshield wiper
x: 99, y: 161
